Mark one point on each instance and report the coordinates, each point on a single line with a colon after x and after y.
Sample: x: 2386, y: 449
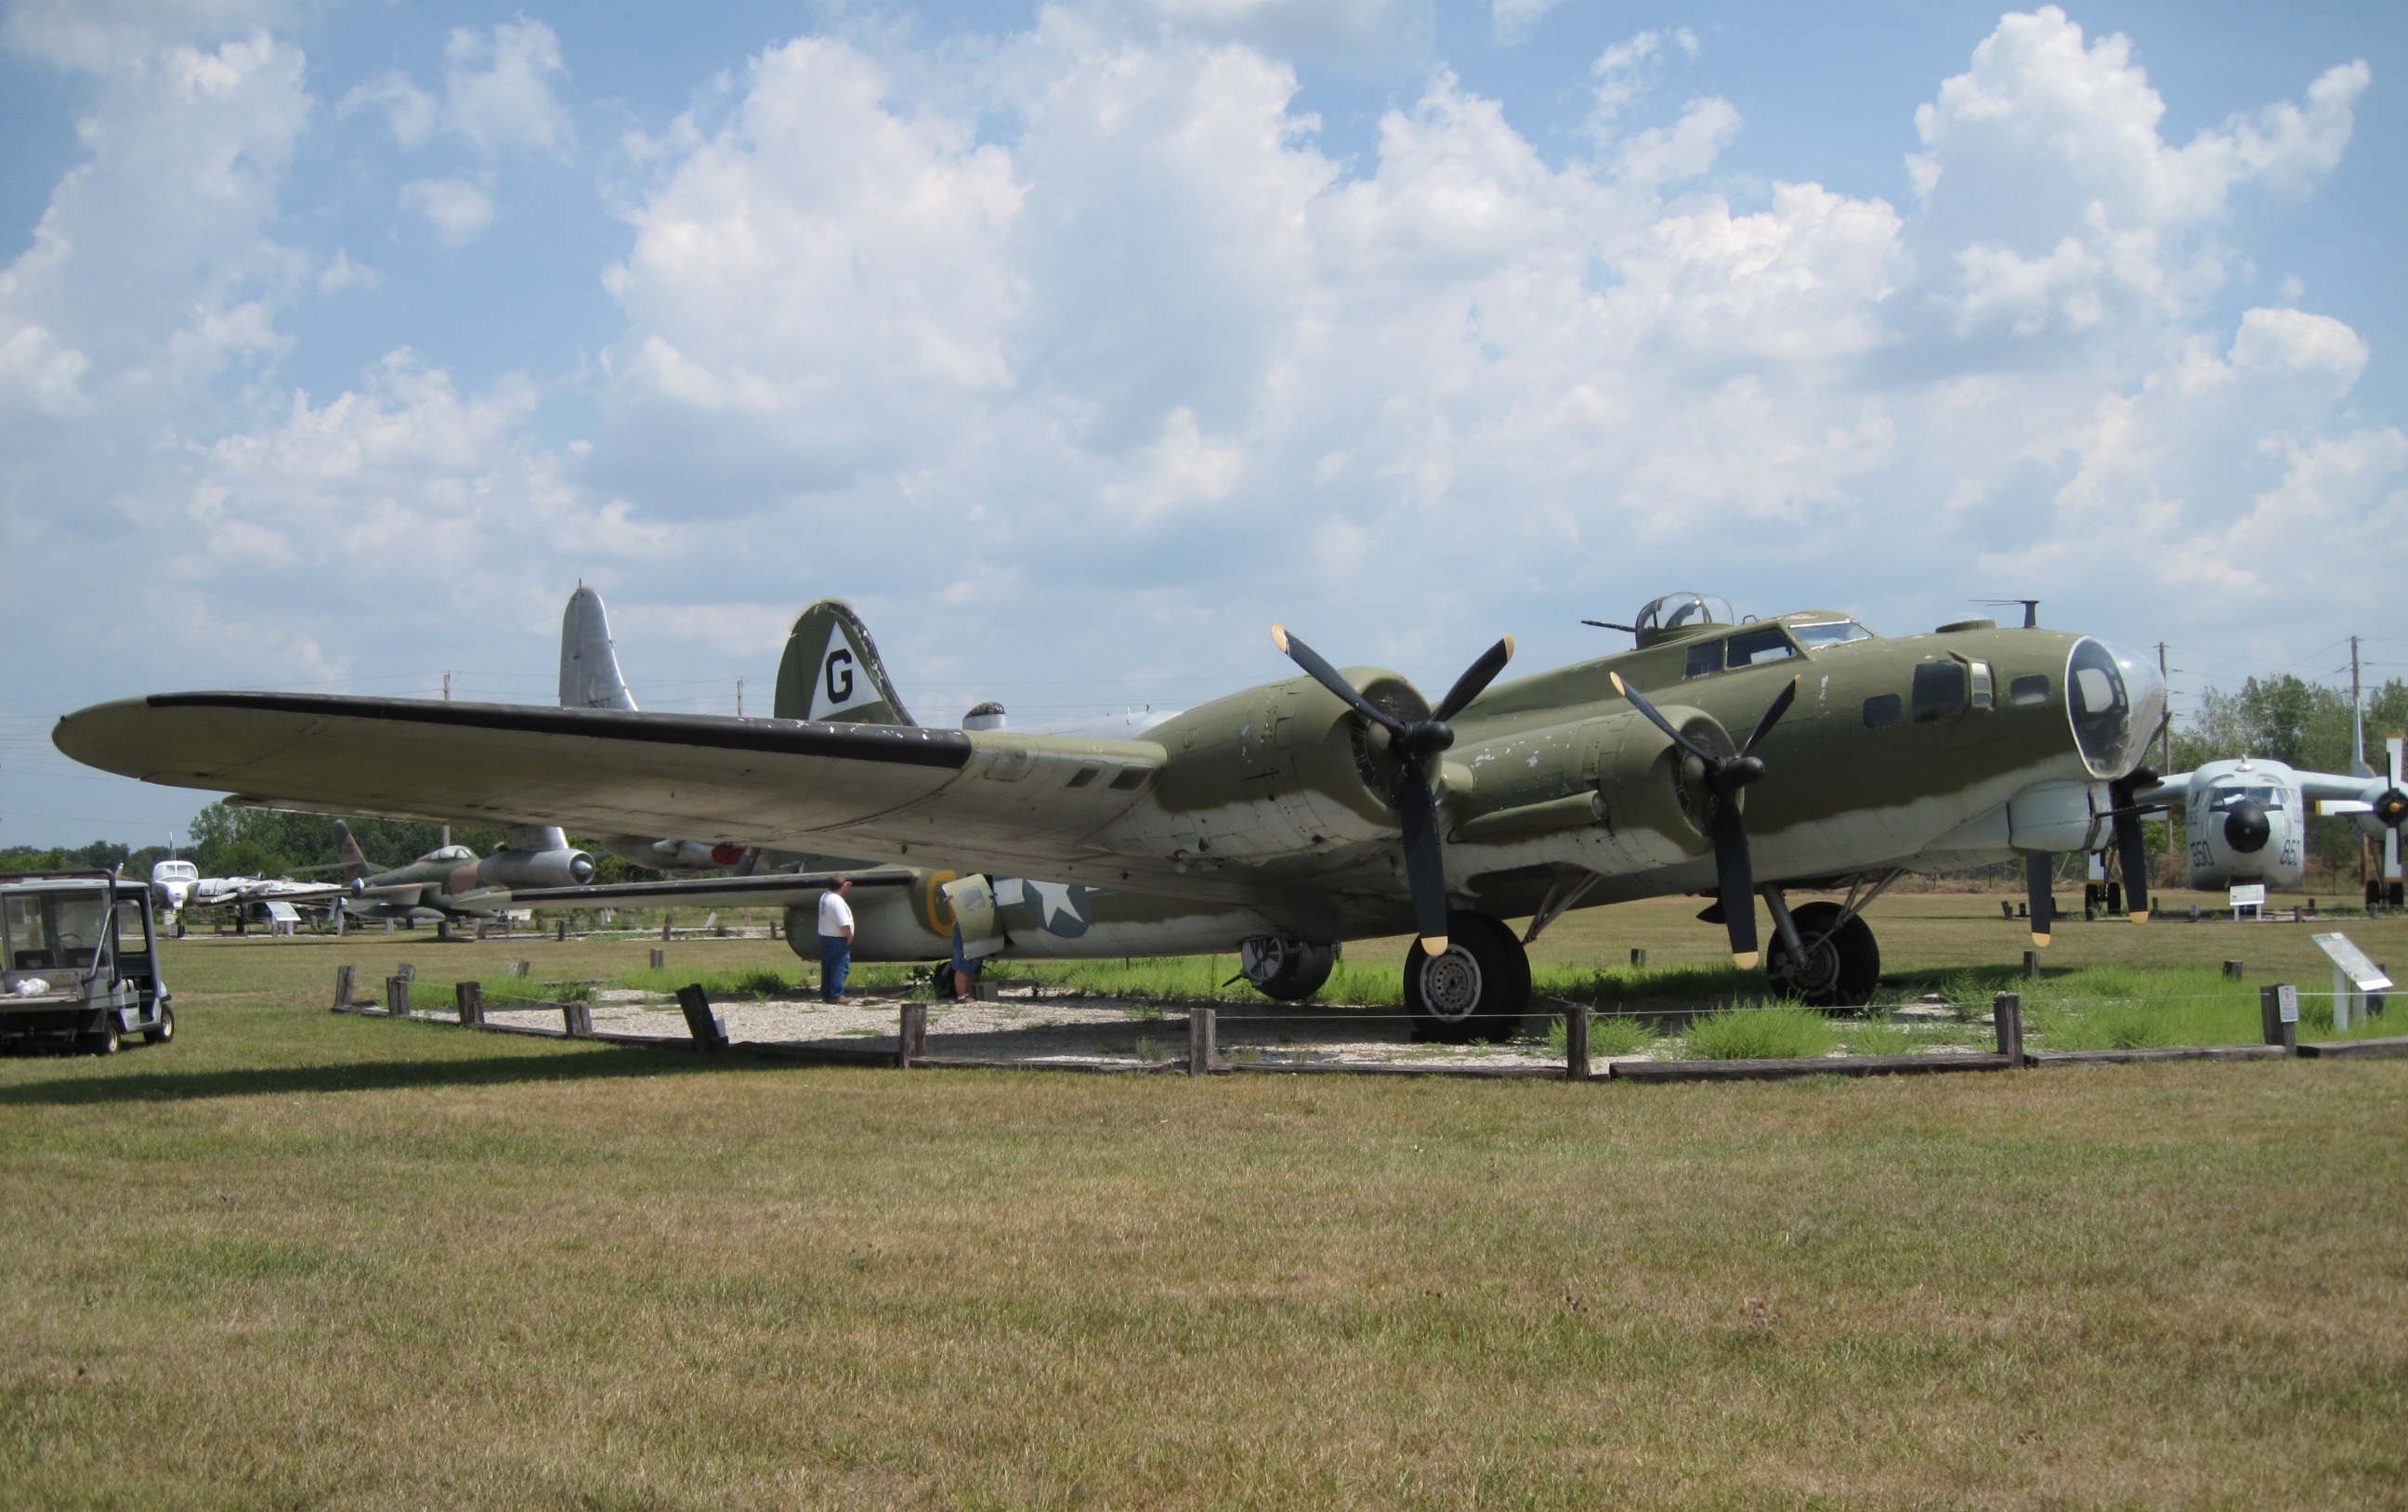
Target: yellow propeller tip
x: 1615, y: 677
x: 1434, y: 944
x: 1279, y: 638
x: 1509, y: 647
x: 2142, y: 917
x: 2040, y: 940
x: 1745, y: 960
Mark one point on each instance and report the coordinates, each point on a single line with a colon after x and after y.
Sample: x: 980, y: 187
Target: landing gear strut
x: 1478, y: 990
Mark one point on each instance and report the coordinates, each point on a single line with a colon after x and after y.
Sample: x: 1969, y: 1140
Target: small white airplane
x: 177, y: 886
x: 2246, y: 820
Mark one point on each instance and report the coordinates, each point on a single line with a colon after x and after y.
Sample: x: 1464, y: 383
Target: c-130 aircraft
x: 1339, y: 804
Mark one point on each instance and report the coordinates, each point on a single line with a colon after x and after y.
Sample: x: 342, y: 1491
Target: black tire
x: 1842, y: 963
x: 1479, y: 990
x: 164, y: 1030
x: 102, y: 1041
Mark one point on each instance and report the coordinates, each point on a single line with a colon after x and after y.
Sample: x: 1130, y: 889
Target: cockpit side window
x: 1703, y: 659
x: 1828, y: 633
x: 1751, y: 647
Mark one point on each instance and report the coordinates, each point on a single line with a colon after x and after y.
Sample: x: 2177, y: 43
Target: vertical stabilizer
x: 347, y: 850
x: 589, y: 669
x: 831, y: 671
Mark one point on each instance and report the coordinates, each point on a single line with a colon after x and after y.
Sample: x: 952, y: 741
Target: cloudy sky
x: 1075, y: 344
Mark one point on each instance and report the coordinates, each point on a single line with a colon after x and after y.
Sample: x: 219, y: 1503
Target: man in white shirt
x: 835, y: 940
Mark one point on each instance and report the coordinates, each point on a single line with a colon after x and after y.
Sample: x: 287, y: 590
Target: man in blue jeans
x: 835, y: 940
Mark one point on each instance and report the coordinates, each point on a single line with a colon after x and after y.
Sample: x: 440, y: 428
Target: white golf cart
x: 78, y: 962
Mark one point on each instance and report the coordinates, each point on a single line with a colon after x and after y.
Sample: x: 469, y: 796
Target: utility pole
x: 447, y: 698
x: 2165, y: 731
x: 739, y: 698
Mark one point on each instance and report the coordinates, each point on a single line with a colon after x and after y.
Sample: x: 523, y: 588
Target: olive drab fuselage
x: 1947, y: 750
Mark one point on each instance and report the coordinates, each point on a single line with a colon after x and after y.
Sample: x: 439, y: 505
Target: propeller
x: 1724, y: 775
x: 2127, y: 817
x: 2039, y: 883
x: 1415, y: 743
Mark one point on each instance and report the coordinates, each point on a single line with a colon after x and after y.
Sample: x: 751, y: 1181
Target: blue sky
x: 1075, y: 345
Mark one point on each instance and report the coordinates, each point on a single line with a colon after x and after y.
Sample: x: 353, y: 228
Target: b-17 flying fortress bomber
x: 1736, y: 761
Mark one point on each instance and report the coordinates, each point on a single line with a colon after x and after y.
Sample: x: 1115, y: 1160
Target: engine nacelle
x: 525, y: 868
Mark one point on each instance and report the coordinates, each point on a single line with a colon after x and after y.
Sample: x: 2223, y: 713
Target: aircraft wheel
x: 1479, y: 990
x: 1286, y: 970
x: 1841, y: 966
x: 102, y: 1041
x: 163, y: 1031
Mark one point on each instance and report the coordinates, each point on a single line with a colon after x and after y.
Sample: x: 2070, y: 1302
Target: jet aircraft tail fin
x: 831, y: 671
x: 2357, y: 766
x: 589, y: 667
x: 348, y: 852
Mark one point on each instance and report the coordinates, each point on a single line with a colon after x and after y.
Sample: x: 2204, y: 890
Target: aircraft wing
x: 989, y: 799
x: 771, y: 891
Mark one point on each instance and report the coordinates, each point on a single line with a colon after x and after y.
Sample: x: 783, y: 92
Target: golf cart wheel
x: 1478, y: 990
x: 102, y: 1041
x: 164, y: 1030
x: 1841, y: 965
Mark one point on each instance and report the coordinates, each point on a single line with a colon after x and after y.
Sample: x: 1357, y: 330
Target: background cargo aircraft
x: 1337, y: 806
x: 2246, y: 820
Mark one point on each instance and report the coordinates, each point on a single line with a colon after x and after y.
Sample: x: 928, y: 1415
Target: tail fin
x: 589, y: 669
x: 347, y: 850
x: 831, y: 671
x: 2357, y: 766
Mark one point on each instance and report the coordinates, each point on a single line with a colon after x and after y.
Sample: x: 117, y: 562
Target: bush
x: 1608, y: 1035
x: 765, y: 981
x: 1760, y: 1034
x: 1879, y: 1039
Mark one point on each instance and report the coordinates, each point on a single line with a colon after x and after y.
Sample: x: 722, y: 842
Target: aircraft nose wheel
x: 1841, y: 965
x: 1478, y: 990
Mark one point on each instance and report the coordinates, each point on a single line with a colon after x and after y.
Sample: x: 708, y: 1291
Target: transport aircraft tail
x: 831, y: 671
x: 589, y: 667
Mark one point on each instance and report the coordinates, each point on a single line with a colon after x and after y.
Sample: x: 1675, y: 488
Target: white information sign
x: 2354, y: 977
x: 2287, y: 1004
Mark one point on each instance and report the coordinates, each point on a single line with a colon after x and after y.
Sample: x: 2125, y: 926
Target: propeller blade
x: 1425, y: 870
x: 1326, y: 675
x: 1773, y: 716
x: 1735, y: 879
x: 1658, y: 720
x: 1475, y: 680
x: 2039, y: 881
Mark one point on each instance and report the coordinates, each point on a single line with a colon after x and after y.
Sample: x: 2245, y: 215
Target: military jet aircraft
x: 1339, y: 804
x: 451, y: 881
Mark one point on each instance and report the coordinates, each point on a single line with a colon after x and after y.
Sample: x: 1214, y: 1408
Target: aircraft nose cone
x: 2245, y: 829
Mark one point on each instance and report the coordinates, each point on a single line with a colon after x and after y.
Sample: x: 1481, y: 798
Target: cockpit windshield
x: 1817, y: 635
x: 2225, y: 798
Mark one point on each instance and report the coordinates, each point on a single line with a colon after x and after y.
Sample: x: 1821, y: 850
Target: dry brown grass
x: 301, y: 1260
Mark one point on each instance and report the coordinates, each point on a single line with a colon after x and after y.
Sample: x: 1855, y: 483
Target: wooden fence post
x: 1638, y: 958
x: 660, y: 958
x: 577, y: 1019
x: 704, y: 1025
x: 471, y: 999
x: 344, y: 979
x: 2279, y: 1030
x: 911, y: 1041
x: 1576, y: 1044
x: 665, y: 925
x: 2232, y: 970
x: 396, y: 996
x: 2007, y: 1015
x: 560, y: 930
x: 1203, y: 1035
x: 2031, y: 966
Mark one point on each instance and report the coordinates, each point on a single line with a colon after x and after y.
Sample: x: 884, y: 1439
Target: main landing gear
x: 1478, y: 990
x: 1823, y: 954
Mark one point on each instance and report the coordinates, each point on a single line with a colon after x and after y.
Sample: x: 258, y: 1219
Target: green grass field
x: 302, y: 1260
